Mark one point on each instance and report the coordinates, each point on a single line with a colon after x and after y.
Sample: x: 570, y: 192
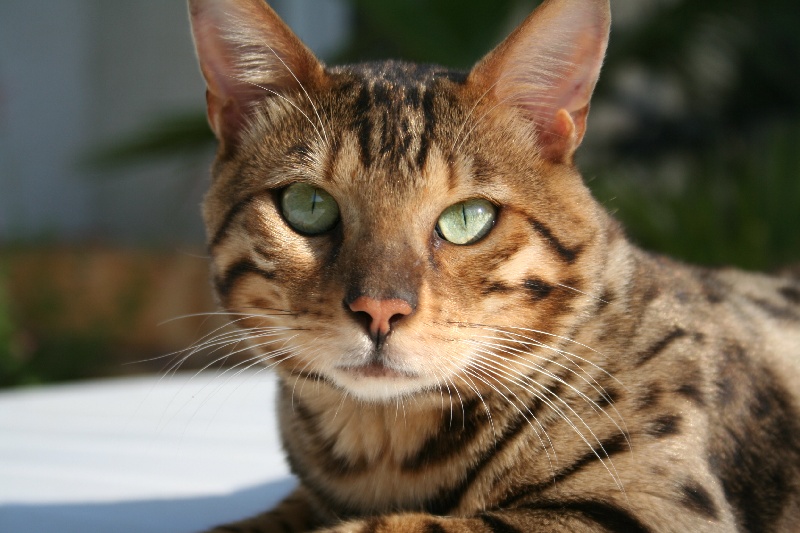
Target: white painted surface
x: 141, y: 455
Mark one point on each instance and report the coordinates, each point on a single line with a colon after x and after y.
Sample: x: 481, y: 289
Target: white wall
x: 78, y: 73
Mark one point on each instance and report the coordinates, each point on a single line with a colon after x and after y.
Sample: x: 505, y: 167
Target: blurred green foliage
x: 447, y: 32
x: 10, y: 362
x: 733, y: 205
x: 179, y: 134
x: 37, y: 344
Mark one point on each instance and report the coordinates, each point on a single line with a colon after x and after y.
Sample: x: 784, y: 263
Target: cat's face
x: 395, y: 229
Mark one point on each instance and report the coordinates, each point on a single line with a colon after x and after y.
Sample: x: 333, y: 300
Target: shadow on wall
x: 148, y: 516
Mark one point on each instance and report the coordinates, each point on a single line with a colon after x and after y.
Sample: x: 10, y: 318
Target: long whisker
x: 254, y: 360
x: 310, y: 101
x: 287, y: 100
x: 202, y: 339
x: 480, y: 119
x: 474, y: 389
x: 507, y: 330
x: 591, y: 382
x: 525, y: 363
x: 223, y: 340
x: 536, y: 431
x: 582, y: 292
x: 490, y: 366
x: 469, y: 114
x: 569, y: 356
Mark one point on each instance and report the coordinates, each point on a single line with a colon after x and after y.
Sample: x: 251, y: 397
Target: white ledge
x: 146, y: 455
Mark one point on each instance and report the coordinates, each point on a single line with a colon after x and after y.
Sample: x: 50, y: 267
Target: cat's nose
x: 381, y: 314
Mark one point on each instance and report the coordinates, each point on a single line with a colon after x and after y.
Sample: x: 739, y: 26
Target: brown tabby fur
x: 552, y: 376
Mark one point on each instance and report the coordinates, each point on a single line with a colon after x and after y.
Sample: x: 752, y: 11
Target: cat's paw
x: 399, y: 523
x: 363, y: 526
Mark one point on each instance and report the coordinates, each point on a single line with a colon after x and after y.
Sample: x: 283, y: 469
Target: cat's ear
x: 548, y: 67
x: 247, y: 53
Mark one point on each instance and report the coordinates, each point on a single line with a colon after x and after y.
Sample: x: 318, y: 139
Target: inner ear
x: 550, y: 64
x: 247, y: 54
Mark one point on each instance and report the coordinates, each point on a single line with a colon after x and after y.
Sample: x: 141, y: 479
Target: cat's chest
x: 371, y: 458
x: 369, y: 435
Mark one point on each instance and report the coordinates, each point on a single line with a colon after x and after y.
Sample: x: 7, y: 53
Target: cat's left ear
x: 548, y: 67
x: 247, y: 54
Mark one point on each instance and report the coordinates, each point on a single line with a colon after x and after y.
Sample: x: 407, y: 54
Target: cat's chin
x: 376, y: 381
x: 377, y: 370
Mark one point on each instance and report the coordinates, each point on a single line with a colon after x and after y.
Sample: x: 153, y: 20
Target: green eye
x: 466, y: 222
x: 308, y: 209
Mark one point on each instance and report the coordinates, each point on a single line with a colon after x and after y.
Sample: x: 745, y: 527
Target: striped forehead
x: 392, y: 109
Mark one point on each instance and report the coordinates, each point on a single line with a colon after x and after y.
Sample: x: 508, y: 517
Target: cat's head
x: 394, y: 228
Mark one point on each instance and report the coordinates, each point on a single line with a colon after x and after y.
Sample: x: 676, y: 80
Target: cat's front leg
x: 510, y: 521
x: 294, y: 514
x: 585, y: 516
x: 407, y: 523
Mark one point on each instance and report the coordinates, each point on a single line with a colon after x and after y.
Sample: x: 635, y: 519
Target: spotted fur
x: 548, y: 377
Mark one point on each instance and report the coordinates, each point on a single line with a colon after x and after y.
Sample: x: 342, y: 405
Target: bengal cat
x: 465, y: 340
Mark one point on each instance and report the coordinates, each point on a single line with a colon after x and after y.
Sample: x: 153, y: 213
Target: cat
x: 465, y: 340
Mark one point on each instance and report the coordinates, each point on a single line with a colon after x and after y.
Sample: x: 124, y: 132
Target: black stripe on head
x: 300, y: 152
x: 569, y: 255
x: 539, y: 289
x: 230, y: 216
x: 429, y: 116
x: 243, y: 267
x: 363, y: 124
x: 495, y: 287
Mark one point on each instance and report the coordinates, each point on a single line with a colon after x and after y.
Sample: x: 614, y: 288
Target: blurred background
x: 693, y: 141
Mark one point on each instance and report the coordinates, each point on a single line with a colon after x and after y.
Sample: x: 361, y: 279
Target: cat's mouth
x: 376, y: 369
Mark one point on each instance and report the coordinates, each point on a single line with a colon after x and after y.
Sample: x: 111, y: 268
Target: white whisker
x: 490, y: 364
x: 310, y: 101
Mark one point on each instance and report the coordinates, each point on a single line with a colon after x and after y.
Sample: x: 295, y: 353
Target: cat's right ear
x: 547, y: 69
x: 246, y: 53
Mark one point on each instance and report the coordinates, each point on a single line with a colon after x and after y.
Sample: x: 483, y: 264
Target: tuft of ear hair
x: 548, y: 68
x: 247, y: 54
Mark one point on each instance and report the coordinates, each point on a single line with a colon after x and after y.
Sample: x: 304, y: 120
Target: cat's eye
x: 309, y: 209
x: 466, y: 222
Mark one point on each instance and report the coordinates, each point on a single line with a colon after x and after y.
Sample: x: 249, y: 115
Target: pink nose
x: 381, y: 313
